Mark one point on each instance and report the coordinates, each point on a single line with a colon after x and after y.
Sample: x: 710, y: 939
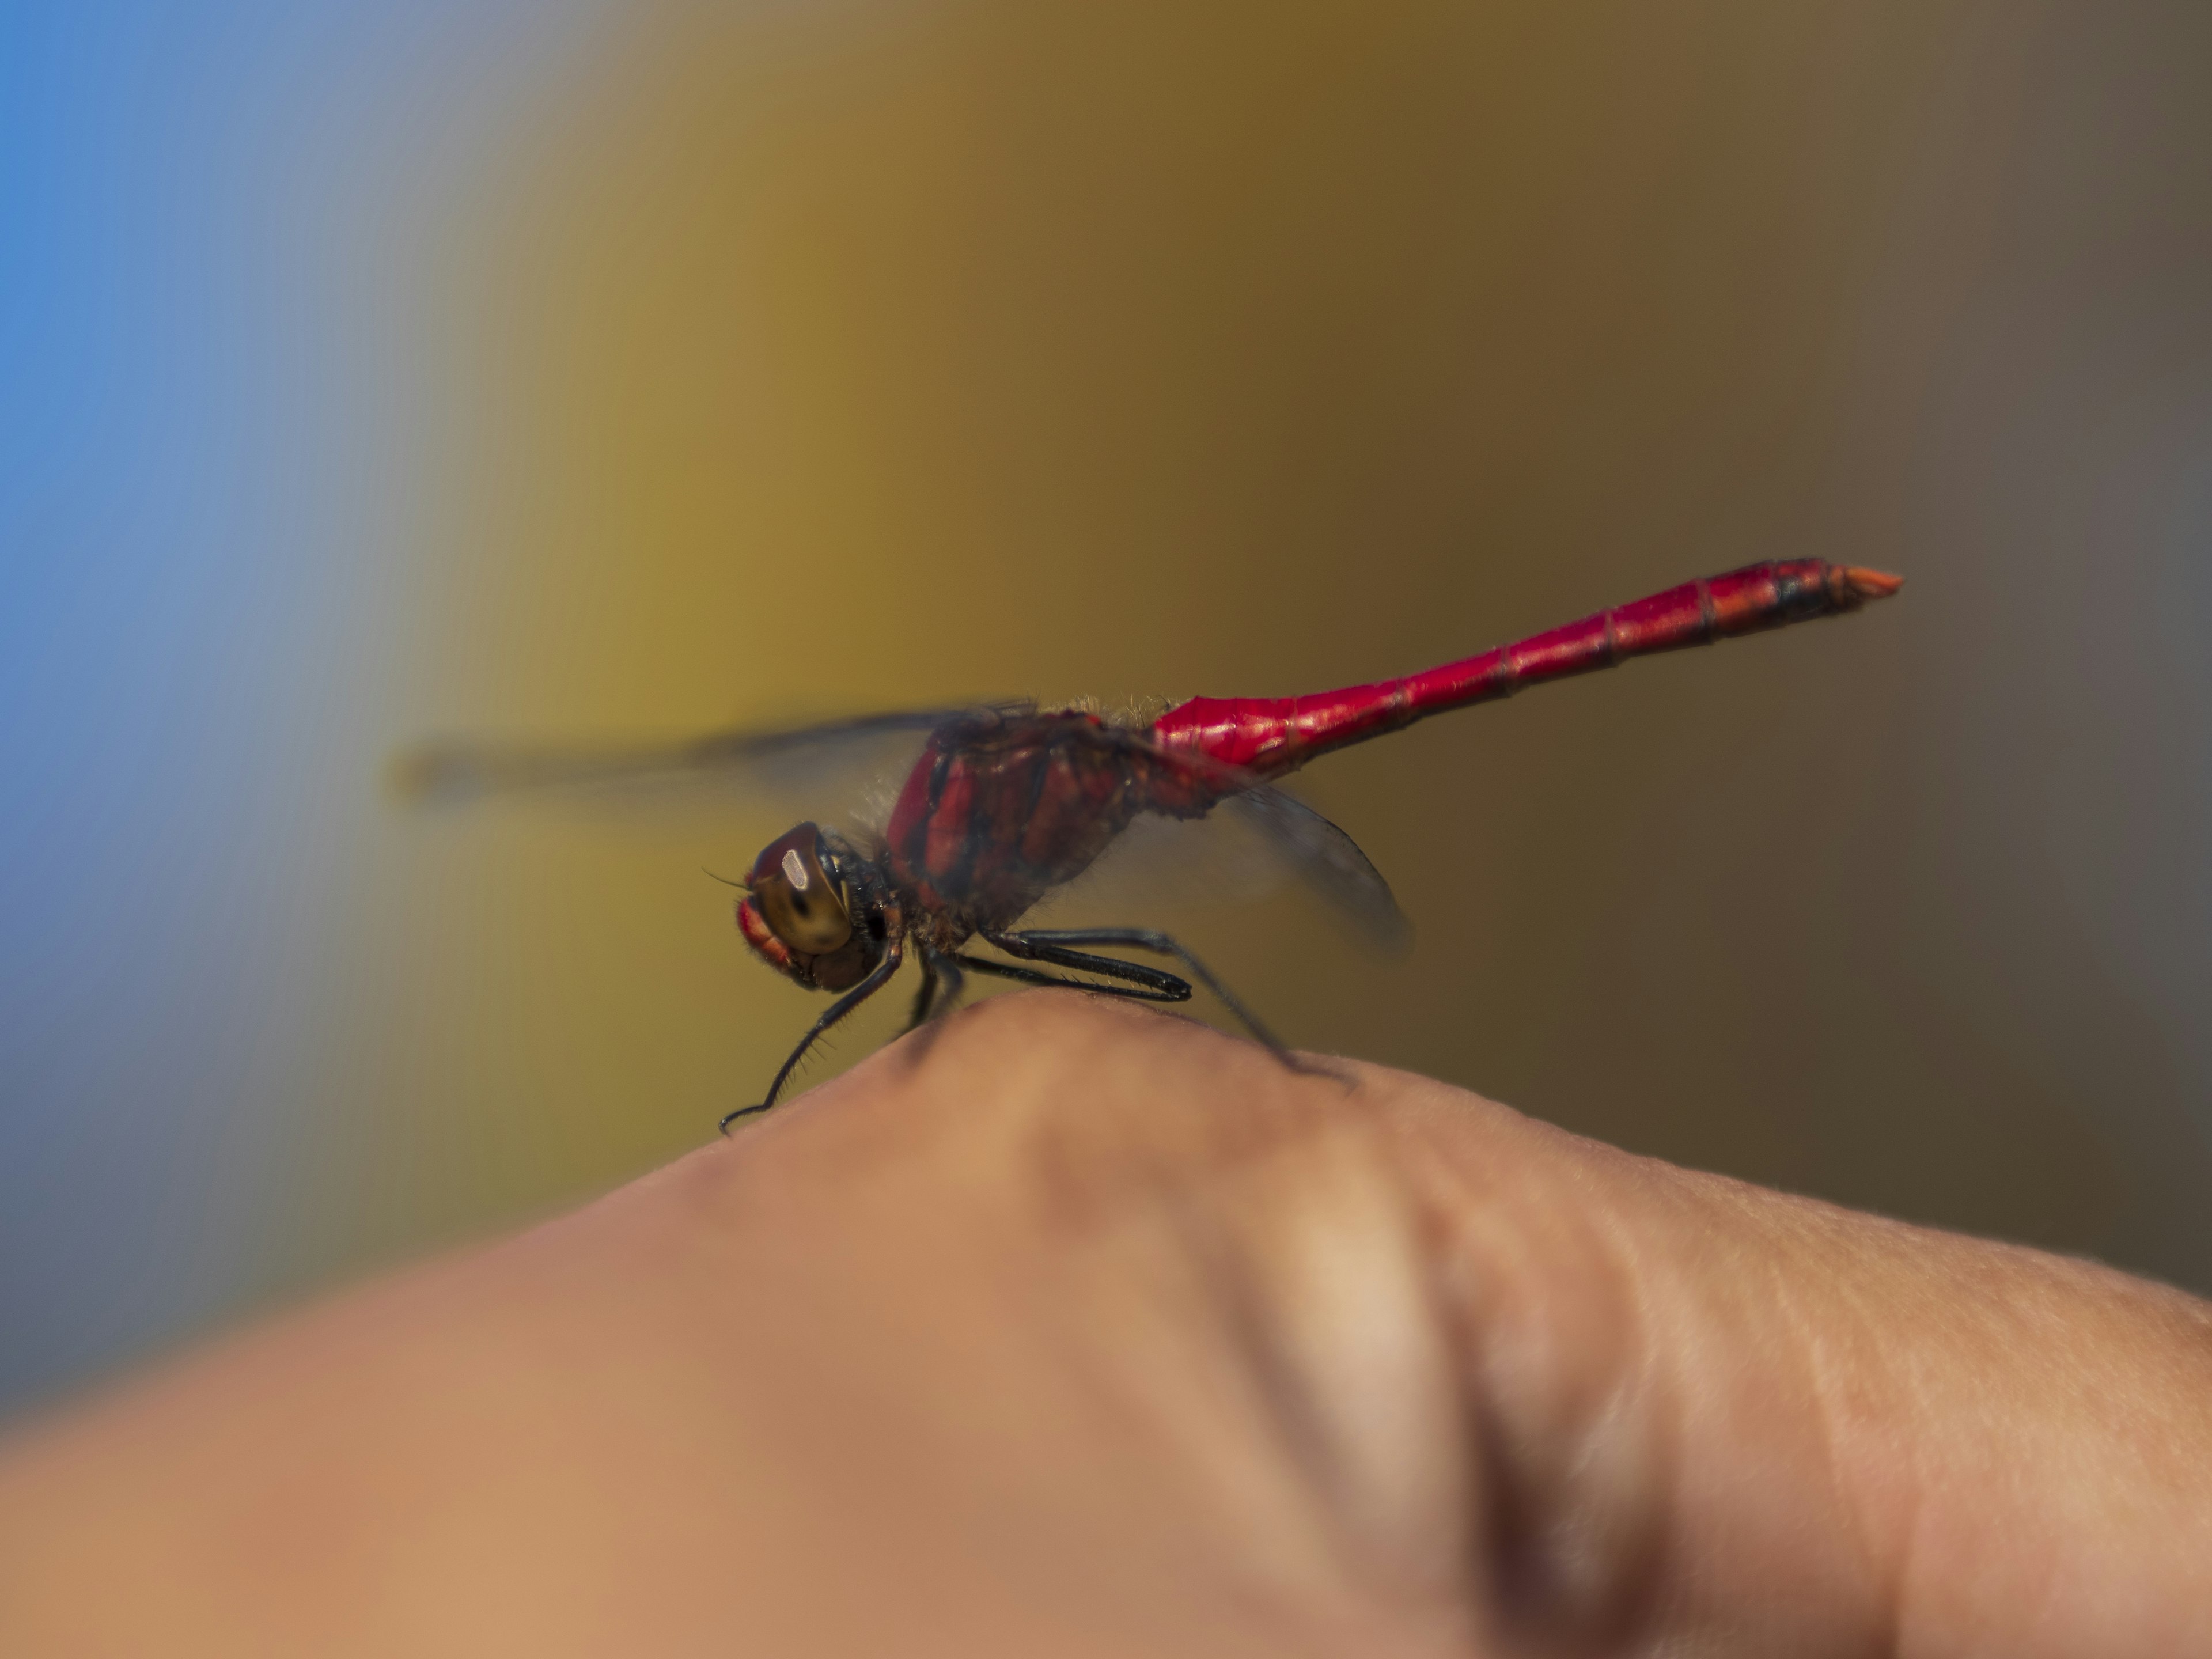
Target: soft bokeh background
x: 564, y: 370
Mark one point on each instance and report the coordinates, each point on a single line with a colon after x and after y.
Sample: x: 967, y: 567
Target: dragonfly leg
x: 927, y: 995
x: 948, y: 966
x: 877, y: 979
x: 1052, y: 944
x: 1180, y: 993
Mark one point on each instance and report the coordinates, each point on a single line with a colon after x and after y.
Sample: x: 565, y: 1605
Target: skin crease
x: 1076, y: 1329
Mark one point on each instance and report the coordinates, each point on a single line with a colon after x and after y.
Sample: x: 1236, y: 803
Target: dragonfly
x: 1009, y: 803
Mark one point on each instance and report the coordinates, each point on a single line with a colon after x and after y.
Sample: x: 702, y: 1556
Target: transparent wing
x: 839, y: 763
x: 1253, y: 843
x: 1327, y: 861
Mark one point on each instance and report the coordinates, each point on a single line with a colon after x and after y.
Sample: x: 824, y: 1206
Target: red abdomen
x: 1270, y: 736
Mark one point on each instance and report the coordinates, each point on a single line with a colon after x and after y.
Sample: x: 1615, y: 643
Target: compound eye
x: 796, y: 898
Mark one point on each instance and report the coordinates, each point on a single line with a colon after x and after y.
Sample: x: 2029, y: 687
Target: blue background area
x: 198, y: 431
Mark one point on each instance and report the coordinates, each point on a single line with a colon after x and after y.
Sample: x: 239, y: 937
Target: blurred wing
x: 1327, y: 860
x: 842, y: 758
x: 1253, y: 843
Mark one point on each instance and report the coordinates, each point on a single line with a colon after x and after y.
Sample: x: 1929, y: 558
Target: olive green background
x: 799, y: 361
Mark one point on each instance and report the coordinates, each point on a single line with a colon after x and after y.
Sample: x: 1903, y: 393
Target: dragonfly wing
x: 838, y: 760
x: 1327, y: 860
x: 1252, y: 844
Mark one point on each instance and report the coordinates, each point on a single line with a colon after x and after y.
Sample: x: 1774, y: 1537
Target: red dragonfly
x: 1010, y: 802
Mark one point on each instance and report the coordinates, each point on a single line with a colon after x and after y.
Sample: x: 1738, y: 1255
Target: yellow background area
x: 817, y: 360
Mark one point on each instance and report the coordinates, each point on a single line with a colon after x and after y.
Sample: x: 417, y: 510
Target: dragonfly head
x: 816, y: 909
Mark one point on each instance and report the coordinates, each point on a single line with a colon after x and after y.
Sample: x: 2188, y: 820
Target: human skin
x: 1077, y: 1330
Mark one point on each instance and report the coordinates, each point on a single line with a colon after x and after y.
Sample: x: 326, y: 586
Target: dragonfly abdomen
x: 1271, y: 736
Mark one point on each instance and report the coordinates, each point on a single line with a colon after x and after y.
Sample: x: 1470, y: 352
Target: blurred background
x: 569, y: 370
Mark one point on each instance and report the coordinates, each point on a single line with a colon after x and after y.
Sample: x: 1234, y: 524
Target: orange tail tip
x: 1871, y: 584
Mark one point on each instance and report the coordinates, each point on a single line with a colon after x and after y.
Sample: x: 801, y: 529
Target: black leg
x: 1030, y: 977
x: 946, y: 982
x: 877, y: 979
x: 1051, y: 944
x: 927, y: 995
x: 948, y: 969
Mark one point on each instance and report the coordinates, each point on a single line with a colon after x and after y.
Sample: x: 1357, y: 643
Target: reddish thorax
x: 1001, y: 808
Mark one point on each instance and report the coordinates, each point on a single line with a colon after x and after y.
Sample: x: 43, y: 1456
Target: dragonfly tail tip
x: 1867, y: 584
